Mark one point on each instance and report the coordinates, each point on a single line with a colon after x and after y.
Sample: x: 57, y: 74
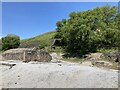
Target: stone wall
x: 11, y: 56
x: 44, y: 56
x: 26, y: 55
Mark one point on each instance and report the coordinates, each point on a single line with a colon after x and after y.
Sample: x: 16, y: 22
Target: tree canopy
x: 89, y: 30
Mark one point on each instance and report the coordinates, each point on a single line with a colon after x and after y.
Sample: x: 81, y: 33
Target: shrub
x: 10, y: 41
x: 43, y: 45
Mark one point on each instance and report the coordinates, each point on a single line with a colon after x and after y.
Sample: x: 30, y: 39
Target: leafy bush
x: 10, y: 41
x: 87, y: 31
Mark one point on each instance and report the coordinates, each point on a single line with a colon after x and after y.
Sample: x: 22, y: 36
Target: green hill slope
x: 0, y: 44
x: 44, y: 39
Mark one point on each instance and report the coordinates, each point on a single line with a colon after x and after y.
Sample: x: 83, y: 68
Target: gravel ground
x: 56, y: 75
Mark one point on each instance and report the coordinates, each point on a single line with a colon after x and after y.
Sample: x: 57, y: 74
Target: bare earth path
x: 56, y: 75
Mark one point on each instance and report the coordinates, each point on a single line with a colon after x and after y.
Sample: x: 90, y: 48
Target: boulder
x: 93, y: 56
x: 26, y: 54
x: 115, y: 56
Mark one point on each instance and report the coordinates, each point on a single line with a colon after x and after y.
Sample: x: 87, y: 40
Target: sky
x: 29, y: 19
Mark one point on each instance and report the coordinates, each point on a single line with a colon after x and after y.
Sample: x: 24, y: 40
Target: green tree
x: 59, y: 25
x: 118, y: 33
x: 87, y: 31
x: 10, y: 41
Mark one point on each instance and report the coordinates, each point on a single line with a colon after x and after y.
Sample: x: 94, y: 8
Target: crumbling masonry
x: 26, y: 55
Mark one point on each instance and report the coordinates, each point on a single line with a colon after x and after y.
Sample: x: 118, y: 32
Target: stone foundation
x: 26, y: 55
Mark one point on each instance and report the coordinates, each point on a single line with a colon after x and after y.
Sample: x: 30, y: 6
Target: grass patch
x: 1, y: 51
x: 75, y: 60
x: 104, y: 50
x: 58, y: 49
x: 115, y: 68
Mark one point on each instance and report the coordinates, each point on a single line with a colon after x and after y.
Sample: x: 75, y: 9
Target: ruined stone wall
x: 13, y: 56
x: 30, y: 55
x: 43, y: 56
x: 27, y: 55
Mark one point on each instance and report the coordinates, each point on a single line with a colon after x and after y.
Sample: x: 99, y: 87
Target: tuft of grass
x: 104, y: 50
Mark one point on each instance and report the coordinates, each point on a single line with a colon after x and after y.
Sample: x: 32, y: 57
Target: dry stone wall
x: 26, y: 55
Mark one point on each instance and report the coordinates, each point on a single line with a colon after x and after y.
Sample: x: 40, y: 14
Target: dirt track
x: 57, y: 75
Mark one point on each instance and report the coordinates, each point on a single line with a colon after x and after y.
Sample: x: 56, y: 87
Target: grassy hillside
x: 0, y: 44
x: 45, y: 39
